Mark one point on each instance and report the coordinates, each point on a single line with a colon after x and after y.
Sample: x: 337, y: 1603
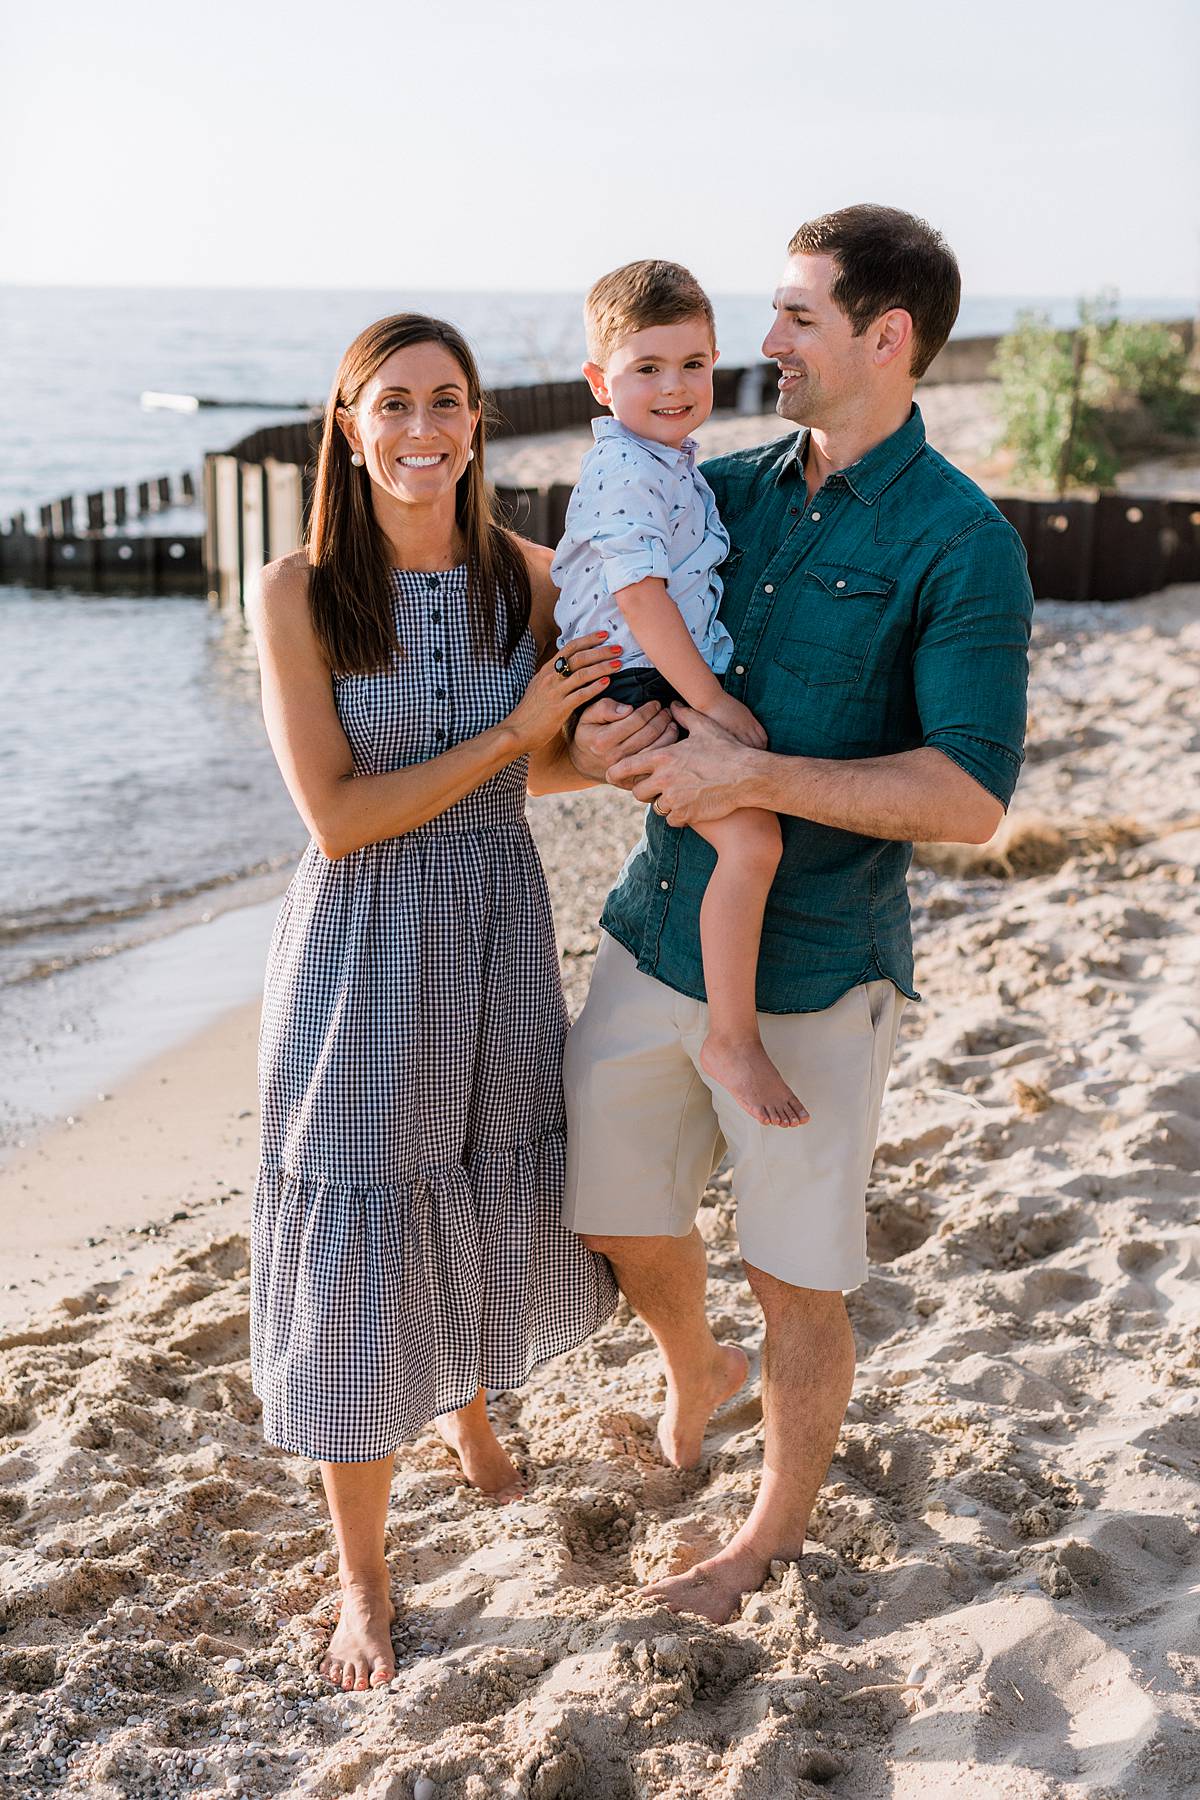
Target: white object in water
x: 152, y: 402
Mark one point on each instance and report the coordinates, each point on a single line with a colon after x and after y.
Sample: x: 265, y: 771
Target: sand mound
x: 999, y: 1598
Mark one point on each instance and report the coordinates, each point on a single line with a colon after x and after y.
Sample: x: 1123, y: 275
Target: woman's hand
x: 552, y: 697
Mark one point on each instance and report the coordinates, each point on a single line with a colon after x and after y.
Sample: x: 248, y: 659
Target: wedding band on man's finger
x: 660, y: 810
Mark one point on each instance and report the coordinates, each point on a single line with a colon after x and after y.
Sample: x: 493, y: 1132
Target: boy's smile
x: 658, y: 381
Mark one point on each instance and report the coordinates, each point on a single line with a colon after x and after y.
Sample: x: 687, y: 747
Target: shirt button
x: 839, y: 584
x: 768, y: 587
x: 436, y: 617
x: 814, y: 517
x: 437, y: 656
x: 741, y: 669
x: 664, y: 885
x: 440, y: 693
x: 440, y: 732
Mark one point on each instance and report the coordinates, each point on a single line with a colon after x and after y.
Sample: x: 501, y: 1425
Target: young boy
x: 638, y: 560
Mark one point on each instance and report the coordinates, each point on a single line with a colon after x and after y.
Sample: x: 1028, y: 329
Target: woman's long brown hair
x: 350, y: 592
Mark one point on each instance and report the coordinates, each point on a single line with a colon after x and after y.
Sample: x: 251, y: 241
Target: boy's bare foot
x: 686, y: 1414
x: 715, y: 1589
x: 468, y: 1434
x: 743, y: 1067
x: 360, y: 1652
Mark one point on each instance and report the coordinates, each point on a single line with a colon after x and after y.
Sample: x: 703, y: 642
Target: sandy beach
x: 999, y: 1598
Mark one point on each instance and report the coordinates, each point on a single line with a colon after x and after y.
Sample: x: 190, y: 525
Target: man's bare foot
x: 468, y: 1434
x: 686, y: 1414
x: 360, y: 1651
x: 743, y: 1067
x: 715, y: 1588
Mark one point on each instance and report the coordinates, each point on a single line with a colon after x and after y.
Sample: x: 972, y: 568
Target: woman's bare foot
x: 686, y: 1414
x: 360, y: 1654
x: 486, y: 1464
x: 743, y: 1067
x: 715, y: 1588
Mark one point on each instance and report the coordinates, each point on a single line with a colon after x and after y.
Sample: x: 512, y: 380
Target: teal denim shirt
x: 890, y: 611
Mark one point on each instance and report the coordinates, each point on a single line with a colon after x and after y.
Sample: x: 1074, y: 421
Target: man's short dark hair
x: 887, y: 258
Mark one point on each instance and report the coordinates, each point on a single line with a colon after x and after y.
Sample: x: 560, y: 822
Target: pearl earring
x: 470, y: 456
x: 357, y: 458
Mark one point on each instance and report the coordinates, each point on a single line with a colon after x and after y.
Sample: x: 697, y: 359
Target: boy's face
x: 659, y: 381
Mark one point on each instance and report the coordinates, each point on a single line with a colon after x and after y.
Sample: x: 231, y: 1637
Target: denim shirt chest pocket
x: 831, y: 622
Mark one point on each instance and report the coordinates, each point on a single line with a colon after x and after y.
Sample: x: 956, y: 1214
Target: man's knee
x: 651, y: 1250
x: 782, y: 1298
x: 603, y: 1246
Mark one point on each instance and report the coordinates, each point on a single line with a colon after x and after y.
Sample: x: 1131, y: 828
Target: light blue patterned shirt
x: 640, y: 509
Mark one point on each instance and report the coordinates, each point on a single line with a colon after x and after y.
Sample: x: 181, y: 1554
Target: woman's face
x: 413, y: 424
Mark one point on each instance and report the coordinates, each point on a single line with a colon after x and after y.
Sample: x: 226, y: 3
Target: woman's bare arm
x: 551, y: 770
x: 343, y: 811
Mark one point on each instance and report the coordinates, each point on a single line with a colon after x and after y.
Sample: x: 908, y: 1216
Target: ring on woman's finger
x: 562, y: 665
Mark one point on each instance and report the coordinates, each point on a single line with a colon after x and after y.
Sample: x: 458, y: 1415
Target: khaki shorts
x: 646, y: 1127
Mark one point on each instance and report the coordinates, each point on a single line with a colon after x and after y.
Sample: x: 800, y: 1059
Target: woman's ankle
x: 364, y: 1578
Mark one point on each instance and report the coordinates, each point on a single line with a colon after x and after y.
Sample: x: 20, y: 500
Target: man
x: 880, y: 610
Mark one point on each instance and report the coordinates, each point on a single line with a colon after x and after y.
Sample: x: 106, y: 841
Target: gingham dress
x: 406, y: 1243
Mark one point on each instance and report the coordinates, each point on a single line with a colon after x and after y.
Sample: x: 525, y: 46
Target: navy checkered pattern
x: 407, y: 1248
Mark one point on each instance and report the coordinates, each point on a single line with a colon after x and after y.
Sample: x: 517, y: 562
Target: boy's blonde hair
x: 637, y: 295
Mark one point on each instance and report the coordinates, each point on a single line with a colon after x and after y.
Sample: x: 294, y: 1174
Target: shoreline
x: 93, y: 1202
x: 73, y: 1035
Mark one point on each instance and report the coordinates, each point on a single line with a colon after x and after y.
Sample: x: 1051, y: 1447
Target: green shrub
x: 1150, y: 362
x: 1059, y: 390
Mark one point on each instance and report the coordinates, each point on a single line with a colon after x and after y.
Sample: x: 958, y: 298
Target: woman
x: 407, y: 1250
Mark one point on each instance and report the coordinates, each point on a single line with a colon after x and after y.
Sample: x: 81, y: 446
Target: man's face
x: 822, y: 364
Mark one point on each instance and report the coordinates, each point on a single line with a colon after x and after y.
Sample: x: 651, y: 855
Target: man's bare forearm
x: 917, y: 795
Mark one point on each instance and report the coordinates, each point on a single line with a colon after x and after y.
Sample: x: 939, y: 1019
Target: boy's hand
x: 737, y: 720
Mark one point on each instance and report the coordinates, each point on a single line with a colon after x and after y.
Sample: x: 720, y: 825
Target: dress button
x: 741, y: 669
x: 839, y: 584
x: 768, y: 587
x: 664, y: 885
x: 814, y: 517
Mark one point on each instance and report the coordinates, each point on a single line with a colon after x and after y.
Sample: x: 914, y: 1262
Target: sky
x: 377, y: 143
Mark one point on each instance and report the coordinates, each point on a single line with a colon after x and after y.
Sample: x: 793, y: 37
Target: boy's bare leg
x: 808, y: 1371
x: 663, y: 1279
x: 360, y: 1651
x: 748, y: 846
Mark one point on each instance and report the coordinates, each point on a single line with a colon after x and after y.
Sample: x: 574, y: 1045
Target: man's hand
x: 609, y: 732
x: 692, y: 781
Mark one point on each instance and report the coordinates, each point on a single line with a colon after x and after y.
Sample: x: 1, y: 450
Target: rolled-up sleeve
x: 971, y: 655
x: 631, y: 533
